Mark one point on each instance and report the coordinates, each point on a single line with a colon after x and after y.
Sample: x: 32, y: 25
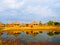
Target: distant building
x: 34, y: 23
x: 1, y: 24
x: 40, y: 23
x: 13, y: 24
x: 16, y: 23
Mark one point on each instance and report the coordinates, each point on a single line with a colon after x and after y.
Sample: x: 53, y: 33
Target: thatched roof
x: 34, y: 22
x: 16, y: 22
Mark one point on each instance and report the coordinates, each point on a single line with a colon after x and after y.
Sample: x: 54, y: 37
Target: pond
x: 44, y: 36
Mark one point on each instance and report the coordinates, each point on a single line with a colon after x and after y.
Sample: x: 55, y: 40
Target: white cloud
x: 39, y: 10
x: 13, y: 4
x: 17, y: 4
x: 45, y: 1
x: 1, y: 9
x: 29, y: 9
x: 36, y: 9
x: 57, y: 5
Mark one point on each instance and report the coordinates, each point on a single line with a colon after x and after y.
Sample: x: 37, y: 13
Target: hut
x: 1, y: 24
x: 34, y: 23
x: 16, y: 23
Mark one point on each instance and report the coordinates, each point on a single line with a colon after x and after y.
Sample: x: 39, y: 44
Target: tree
x: 56, y: 23
x: 50, y: 23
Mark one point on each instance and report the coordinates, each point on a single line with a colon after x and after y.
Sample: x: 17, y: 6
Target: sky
x: 29, y: 10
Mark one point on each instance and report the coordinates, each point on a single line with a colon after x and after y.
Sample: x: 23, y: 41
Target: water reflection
x: 41, y: 36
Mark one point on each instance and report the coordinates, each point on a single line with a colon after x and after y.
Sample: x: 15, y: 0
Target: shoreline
x: 34, y: 28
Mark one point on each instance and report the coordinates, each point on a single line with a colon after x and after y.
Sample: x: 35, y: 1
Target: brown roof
x: 34, y: 22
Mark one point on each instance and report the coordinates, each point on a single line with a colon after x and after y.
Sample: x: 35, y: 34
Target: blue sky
x: 29, y: 10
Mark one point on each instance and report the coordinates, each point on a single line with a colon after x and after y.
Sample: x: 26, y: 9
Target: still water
x: 40, y: 37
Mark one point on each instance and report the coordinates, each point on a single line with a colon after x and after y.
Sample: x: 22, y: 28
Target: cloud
x: 39, y: 10
x: 1, y: 9
x: 57, y: 5
x: 29, y: 9
x: 13, y: 4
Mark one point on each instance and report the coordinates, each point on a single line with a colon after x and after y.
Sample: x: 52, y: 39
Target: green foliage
x: 50, y: 22
x: 53, y: 23
x: 56, y: 23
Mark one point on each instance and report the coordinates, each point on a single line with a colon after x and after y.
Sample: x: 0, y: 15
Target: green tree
x: 56, y: 23
x: 50, y: 23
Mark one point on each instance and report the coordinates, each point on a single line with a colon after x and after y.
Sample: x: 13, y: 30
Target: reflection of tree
x: 56, y: 33
x: 53, y: 33
x: 50, y: 33
x: 40, y: 32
